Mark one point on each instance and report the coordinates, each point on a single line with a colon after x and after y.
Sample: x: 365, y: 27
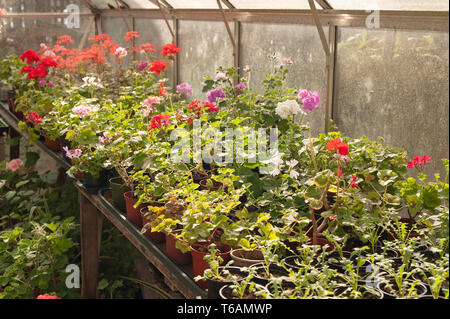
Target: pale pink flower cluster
x: 104, y: 139
x: 47, y: 51
x: 76, y: 153
x: 82, y: 110
x: 148, y: 104
x: 286, y: 61
x: 121, y: 52
x: 14, y: 164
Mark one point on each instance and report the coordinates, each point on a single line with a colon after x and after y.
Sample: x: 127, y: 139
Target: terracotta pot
x: 54, y: 145
x: 246, y: 258
x: 133, y: 214
x: 157, y: 237
x: 174, y: 253
x: 198, y: 251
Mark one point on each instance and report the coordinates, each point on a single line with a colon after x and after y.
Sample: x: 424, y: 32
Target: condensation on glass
x: 302, y: 45
x: 405, y: 5
x: 203, y: 52
x: 394, y: 84
x: 156, y: 32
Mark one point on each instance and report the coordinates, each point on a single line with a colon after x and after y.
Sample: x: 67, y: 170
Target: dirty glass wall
x: 395, y: 84
x: 19, y: 34
x: 302, y: 45
x: 205, y: 46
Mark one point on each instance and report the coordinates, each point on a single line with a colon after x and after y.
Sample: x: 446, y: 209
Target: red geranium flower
x: 27, y: 69
x: 158, y: 66
x: 211, y: 107
x: 147, y: 47
x: 64, y: 39
x: 30, y: 56
x: 169, y: 48
x: 35, y: 118
x: 419, y: 162
x: 47, y: 296
x: 158, y: 120
x: 339, y: 171
x: 48, y: 62
x: 162, y: 90
x: 333, y: 144
x: 38, y: 71
x: 130, y: 35
x: 353, y: 183
x: 343, y: 148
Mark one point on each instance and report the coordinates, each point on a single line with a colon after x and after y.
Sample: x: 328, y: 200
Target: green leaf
x: 102, y: 284
x: 430, y: 198
x: 22, y: 183
x: 31, y: 159
x: 10, y: 195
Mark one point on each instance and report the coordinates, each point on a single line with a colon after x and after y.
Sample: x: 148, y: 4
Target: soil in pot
x: 118, y: 189
x: 393, y: 293
x: 133, y: 214
x: 54, y: 145
x: 261, y: 273
x: 275, y: 289
x: 156, y: 237
x: 176, y: 255
x: 226, y: 292
x: 246, y: 258
x: 199, y: 250
x: 215, y: 284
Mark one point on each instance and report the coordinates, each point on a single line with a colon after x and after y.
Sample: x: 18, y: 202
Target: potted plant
x: 217, y: 276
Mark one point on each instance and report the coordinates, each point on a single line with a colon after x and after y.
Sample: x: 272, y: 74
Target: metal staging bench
x: 95, y: 207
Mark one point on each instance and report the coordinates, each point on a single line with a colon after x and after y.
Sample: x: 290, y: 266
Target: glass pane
x: 279, y: 4
x: 423, y: 5
x: 194, y: 4
x: 29, y: 6
x: 155, y: 31
x: 20, y: 34
x: 141, y: 4
x: 394, y: 84
x: 202, y: 52
x: 300, y: 43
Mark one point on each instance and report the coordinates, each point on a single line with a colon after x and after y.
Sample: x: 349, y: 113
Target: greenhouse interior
x: 224, y: 149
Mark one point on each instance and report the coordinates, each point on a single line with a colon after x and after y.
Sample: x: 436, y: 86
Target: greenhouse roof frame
x: 389, y: 19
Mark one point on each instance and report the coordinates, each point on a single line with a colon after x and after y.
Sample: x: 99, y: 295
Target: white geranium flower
x: 293, y: 174
x: 287, y: 108
x: 91, y: 81
x: 292, y: 163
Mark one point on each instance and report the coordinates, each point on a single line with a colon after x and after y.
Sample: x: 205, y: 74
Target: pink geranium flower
x: 14, y: 164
